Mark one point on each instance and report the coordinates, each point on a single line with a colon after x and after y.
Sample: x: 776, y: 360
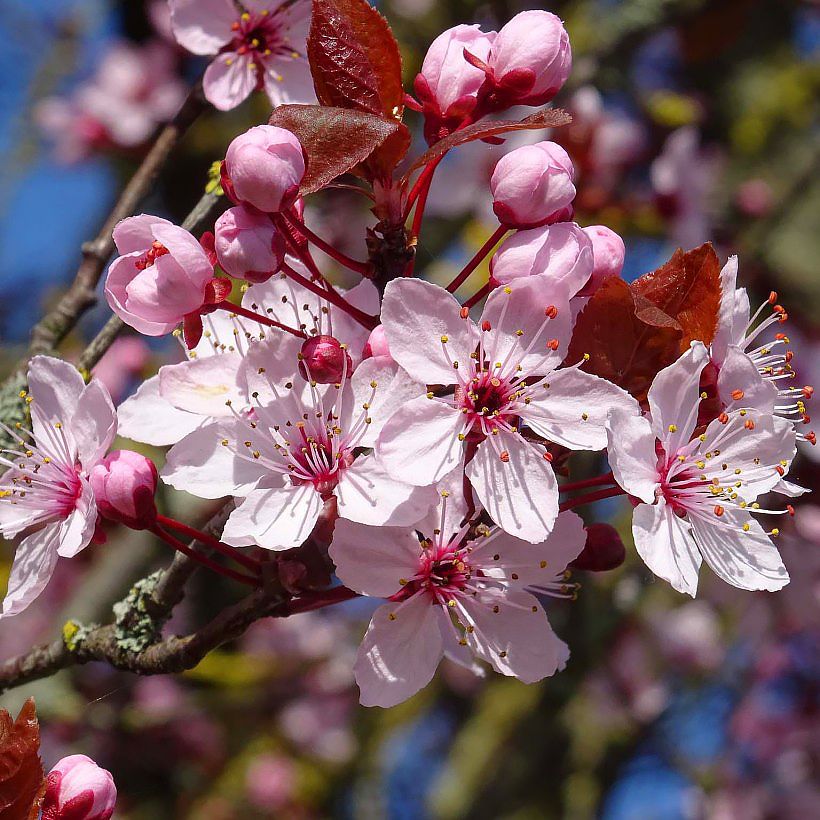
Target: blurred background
x: 693, y: 120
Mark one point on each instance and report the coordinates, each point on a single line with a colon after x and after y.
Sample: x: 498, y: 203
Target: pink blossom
x: 263, y: 168
x: 562, y: 251
x: 449, y: 593
x: 447, y: 84
x: 496, y: 379
x: 531, y: 57
x: 699, y: 495
x: 247, y: 245
x: 124, y: 483
x: 296, y: 451
x: 531, y: 184
x: 78, y: 789
x: 121, y: 364
x: 45, y: 490
x: 608, y: 254
x: 260, y: 48
x: 160, y: 276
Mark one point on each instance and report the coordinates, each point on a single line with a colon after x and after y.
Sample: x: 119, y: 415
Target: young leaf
x: 335, y: 140
x: 686, y: 288
x: 623, y: 348
x: 354, y: 58
x: 22, y: 781
x: 545, y: 118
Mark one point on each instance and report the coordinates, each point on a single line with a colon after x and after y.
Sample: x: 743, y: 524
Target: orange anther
x: 789, y: 356
x: 781, y: 337
x: 464, y: 313
x: 718, y: 509
x: 790, y: 510
x: 811, y: 437
x: 780, y: 470
x: 772, y: 297
x: 504, y: 456
x: 808, y: 391
x: 737, y: 395
x: 485, y: 325
x: 723, y: 418
x: 548, y: 456
x: 749, y: 424
x: 552, y: 344
x: 551, y: 312
x: 806, y: 419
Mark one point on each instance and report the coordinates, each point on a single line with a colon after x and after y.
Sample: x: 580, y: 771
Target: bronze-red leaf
x: 22, y: 780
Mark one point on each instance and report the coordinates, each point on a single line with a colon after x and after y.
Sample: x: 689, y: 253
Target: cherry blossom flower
x: 451, y: 592
x: 259, y: 49
x: 491, y: 382
x: 296, y: 451
x: 45, y: 491
x: 78, y: 789
x: 699, y: 495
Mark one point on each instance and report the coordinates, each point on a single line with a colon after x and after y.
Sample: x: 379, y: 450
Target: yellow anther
x: 673, y: 428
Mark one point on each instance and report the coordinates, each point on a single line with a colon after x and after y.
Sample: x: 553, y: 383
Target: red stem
x: 320, y: 599
x: 610, y: 492
x: 257, y: 317
x: 359, y: 267
x: 302, y: 253
x: 423, y: 182
x: 229, y: 552
x: 478, y: 295
x: 202, y: 559
x: 477, y: 259
x: 333, y: 297
x: 589, y: 482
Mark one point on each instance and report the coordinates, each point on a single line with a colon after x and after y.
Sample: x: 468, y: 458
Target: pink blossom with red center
x: 45, y: 491
x: 261, y: 48
x: 699, y: 494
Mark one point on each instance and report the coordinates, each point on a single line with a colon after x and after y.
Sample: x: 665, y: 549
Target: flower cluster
x: 417, y: 442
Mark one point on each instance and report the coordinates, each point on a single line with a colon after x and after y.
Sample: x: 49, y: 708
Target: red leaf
x: 687, y: 289
x: 22, y: 781
x: 336, y: 140
x: 545, y: 118
x: 354, y: 58
x: 623, y: 348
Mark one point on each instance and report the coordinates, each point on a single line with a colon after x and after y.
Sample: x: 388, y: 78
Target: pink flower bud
x: 447, y: 84
x: 608, y: 253
x: 160, y: 276
x: 563, y: 251
x: 124, y: 483
x: 531, y: 184
x: 376, y: 344
x: 78, y: 789
x: 264, y: 167
x: 531, y: 57
x: 247, y: 245
x: 603, y: 550
x: 325, y: 360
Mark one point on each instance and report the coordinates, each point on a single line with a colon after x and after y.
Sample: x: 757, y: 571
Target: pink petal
x: 365, y: 296
x: 631, y: 454
x: 730, y: 325
x: 32, y: 568
x: 573, y: 411
x: 747, y: 560
x: 519, y: 629
x: 739, y: 372
x: 674, y: 398
x: 134, y: 234
x: 120, y: 275
x: 520, y: 495
x: 416, y: 316
x: 55, y: 388
x: 276, y: 519
x: 203, y: 26
x: 420, y: 442
x: 149, y: 418
x: 94, y: 424
x: 288, y: 81
x: 77, y: 530
x: 228, y: 81
x: 374, y: 560
x: 398, y: 657
x: 664, y: 542
x: 187, y: 253
x: 162, y: 293
x: 202, y: 386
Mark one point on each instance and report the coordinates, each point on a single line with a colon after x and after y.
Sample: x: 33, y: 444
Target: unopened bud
x: 376, y: 344
x: 608, y: 254
x: 324, y: 360
x: 124, y: 483
x: 78, y: 789
x: 247, y: 245
x: 604, y: 549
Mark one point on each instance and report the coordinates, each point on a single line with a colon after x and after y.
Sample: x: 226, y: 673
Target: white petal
x: 149, y: 418
x: 739, y: 372
x: 398, y: 657
x: 748, y: 560
x: 32, y: 568
x: 520, y: 495
x: 367, y: 494
x: 789, y: 488
x: 94, y: 424
x: 202, y: 386
x: 77, y: 530
x: 276, y: 519
x: 449, y: 511
x: 420, y: 442
x: 416, y: 316
x: 374, y: 560
x: 631, y: 454
x: 365, y: 296
x: 664, y: 542
x: 55, y: 388
x: 573, y: 411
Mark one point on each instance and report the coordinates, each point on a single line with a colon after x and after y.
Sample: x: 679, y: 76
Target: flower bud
x: 447, y: 84
x: 78, y: 789
x: 531, y: 57
x: 325, y: 360
x: 124, y: 483
x: 608, y: 253
x: 247, y: 244
x: 160, y: 276
x: 376, y: 344
x: 263, y: 167
x: 603, y: 550
x: 531, y: 184
x: 563, y: 251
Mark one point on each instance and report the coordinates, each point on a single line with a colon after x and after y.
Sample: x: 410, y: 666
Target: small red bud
x: 324, y: 360
x: 604, y: 549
